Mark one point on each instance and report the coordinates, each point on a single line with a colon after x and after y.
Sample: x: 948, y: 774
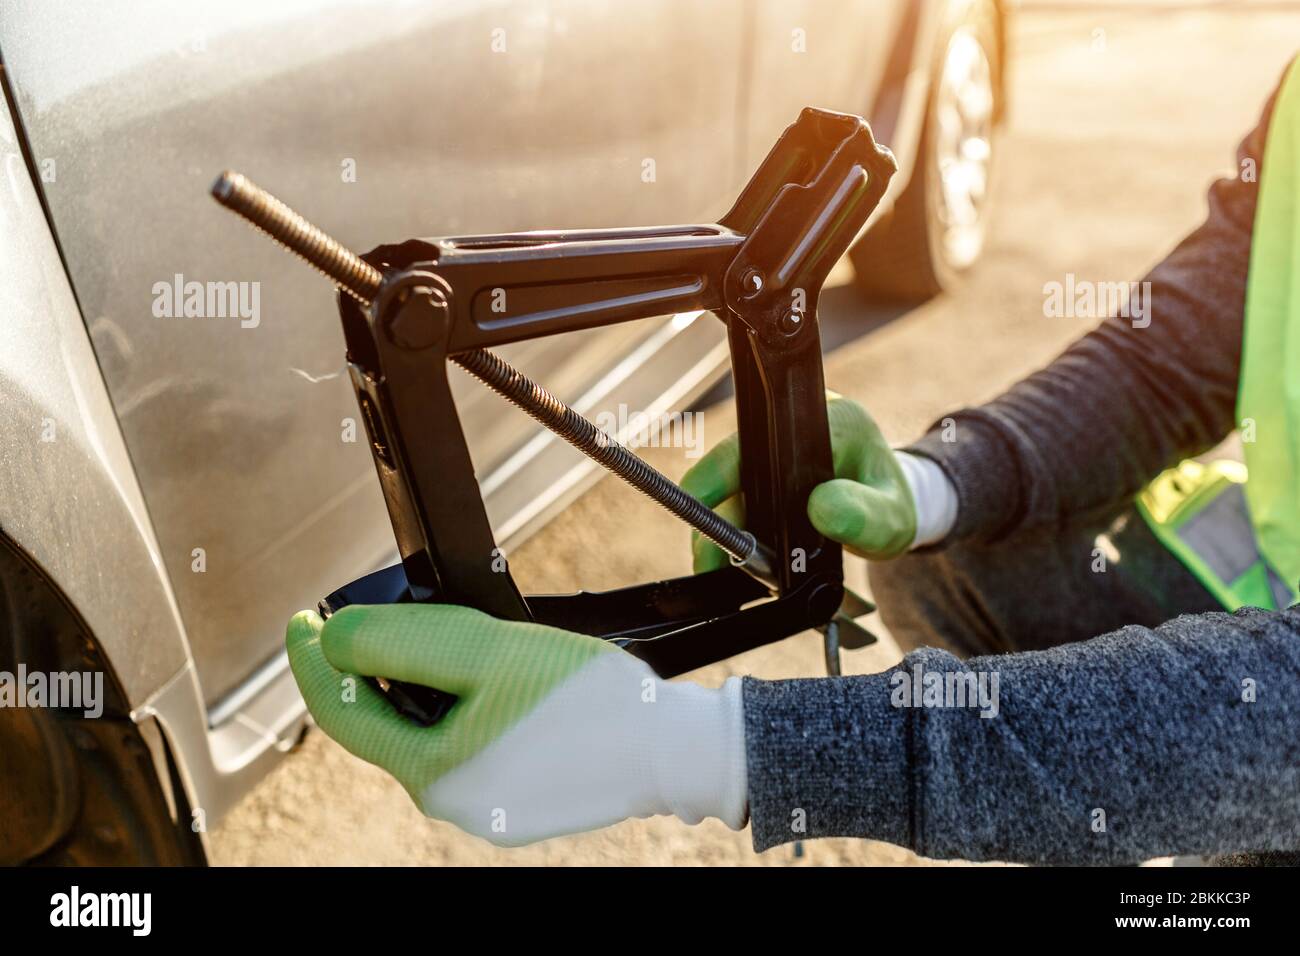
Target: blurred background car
x: 208, y: 477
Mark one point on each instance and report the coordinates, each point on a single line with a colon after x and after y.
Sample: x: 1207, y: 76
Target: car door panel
x: 826, y: 53
x: 380, y: 120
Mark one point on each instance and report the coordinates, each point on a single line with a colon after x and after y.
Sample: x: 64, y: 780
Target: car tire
x: 937, y: 228
x: 77, y: 790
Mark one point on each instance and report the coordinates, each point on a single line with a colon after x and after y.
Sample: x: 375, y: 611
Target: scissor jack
x: 408, y: 308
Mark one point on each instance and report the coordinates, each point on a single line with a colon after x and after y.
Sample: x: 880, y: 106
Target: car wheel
x: 937, y: 228
x: 76, y: 789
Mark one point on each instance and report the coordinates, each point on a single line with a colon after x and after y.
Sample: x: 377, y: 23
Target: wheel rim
x: 963, y: 152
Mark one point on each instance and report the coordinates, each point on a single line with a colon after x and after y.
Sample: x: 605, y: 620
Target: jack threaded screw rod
x: 361, y: 280
x: 348, y: 271
x: 574, y: 428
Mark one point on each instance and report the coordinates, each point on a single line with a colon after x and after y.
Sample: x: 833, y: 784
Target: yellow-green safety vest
x: 1237, y: 527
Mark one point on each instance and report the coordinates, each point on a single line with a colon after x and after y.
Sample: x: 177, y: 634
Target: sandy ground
x: 1121, y: 114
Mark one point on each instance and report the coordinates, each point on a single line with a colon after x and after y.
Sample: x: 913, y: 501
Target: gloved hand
x: 870, y: 506
x: 553, y: 732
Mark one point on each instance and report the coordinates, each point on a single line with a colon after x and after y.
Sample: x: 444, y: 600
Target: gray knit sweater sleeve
x: 1140, y: 743
x: 1124, y: 402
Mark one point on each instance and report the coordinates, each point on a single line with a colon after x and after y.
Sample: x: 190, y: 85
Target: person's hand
x: 553, y: 732
x: 867, y: 507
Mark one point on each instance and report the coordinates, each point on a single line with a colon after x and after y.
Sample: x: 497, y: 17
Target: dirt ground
x: 1121, y: 114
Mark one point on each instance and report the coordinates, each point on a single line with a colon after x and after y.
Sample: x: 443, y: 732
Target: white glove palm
x: 553, y: 732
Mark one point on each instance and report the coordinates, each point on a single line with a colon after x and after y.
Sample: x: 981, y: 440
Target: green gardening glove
x: 867, y: 507
x: 552, y: 732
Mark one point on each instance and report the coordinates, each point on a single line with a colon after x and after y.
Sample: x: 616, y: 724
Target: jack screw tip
x: 345, y: 268
x: 226, y: 185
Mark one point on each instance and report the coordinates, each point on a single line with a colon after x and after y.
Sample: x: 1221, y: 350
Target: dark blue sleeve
x: 1123, y: 403
x: 1141, y: 743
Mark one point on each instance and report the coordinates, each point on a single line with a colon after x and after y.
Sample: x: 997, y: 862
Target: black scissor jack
x: 409, y: 308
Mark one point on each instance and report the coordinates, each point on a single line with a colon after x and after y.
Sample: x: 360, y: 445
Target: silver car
x: 179, y: 479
